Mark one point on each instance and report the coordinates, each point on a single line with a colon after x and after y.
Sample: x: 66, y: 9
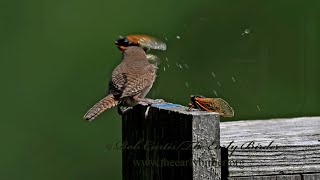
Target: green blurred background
x: 57, y: 57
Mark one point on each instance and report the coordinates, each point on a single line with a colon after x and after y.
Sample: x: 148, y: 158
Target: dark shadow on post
x: 224, y: 163
x: 160, y: 146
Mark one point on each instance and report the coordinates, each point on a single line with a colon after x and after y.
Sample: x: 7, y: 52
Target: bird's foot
x: 143, y: 103
x: 123, y: 109
x: 147, y: 101
x: 159, y: 101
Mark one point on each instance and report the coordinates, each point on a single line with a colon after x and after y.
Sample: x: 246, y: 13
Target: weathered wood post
x: 170, y: 143
x: 274, y: 149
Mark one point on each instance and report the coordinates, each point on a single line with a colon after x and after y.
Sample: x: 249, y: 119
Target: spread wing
x: 146, y: 41
x: 224, y: 108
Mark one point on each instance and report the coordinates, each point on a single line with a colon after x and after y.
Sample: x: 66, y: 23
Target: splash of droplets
x: 187, y: 84
x: 258, y: 107
x: 246, y: 32
x: 218, y: 83
x: 186, y: 66
x: 215, y: 92
x: 233, y: 79
x: 213, y: 74
x: 178, y: 37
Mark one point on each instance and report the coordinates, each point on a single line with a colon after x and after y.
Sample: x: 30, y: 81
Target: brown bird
x: 130, y: 82
x: 211, y: 105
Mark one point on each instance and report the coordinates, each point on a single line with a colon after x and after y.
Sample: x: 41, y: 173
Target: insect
x: 211, y: 105
x: 144, y: 41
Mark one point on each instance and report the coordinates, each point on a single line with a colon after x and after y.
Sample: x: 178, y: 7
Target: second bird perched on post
x: 132, y: 79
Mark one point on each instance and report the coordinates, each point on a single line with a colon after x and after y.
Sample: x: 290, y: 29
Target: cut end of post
x: 182, y: 109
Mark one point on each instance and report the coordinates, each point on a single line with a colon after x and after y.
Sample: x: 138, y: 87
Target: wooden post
x: 170, y: 143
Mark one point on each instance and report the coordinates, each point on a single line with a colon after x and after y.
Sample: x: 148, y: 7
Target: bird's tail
x: 106, y: 103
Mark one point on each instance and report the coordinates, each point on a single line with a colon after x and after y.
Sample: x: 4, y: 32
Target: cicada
x: 144, y: 41
x: 211, y: 105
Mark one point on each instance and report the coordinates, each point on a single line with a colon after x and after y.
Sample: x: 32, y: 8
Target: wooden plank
x: 289, y: 177
x: 277, y: 177
x: 254, y: 178
x: 311, y: 176
x: 181, y: 144
x: 268, y: 147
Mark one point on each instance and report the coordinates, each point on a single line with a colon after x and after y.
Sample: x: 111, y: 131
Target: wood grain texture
x: 311, y: 176
x: 275, y: 177
x: 173, y: 125
x: 271, y: 147
x: 206, y: 133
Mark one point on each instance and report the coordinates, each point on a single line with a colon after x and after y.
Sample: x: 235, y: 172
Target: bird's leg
x: 123, y: 109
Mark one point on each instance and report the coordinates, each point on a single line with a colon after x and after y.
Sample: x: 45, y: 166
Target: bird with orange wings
x: 132, y: 79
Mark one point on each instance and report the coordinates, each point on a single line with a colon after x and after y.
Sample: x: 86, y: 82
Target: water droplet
x: 215, y: 92
x: 180, y: 66
x: 218, y: 83
x: 258, y: 107
x: 186, y: 66
x: 168, y: 65
x: 166, y: 59
x: 213, y: 74
x: 178, y: 37
x: 246, y: 32
x: 187, y: 84
x: 233, y: 79
x: 164, y: 68
x: 166, y: 39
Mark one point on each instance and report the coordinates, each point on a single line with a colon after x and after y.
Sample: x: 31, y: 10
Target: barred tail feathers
x: 106, y: 103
